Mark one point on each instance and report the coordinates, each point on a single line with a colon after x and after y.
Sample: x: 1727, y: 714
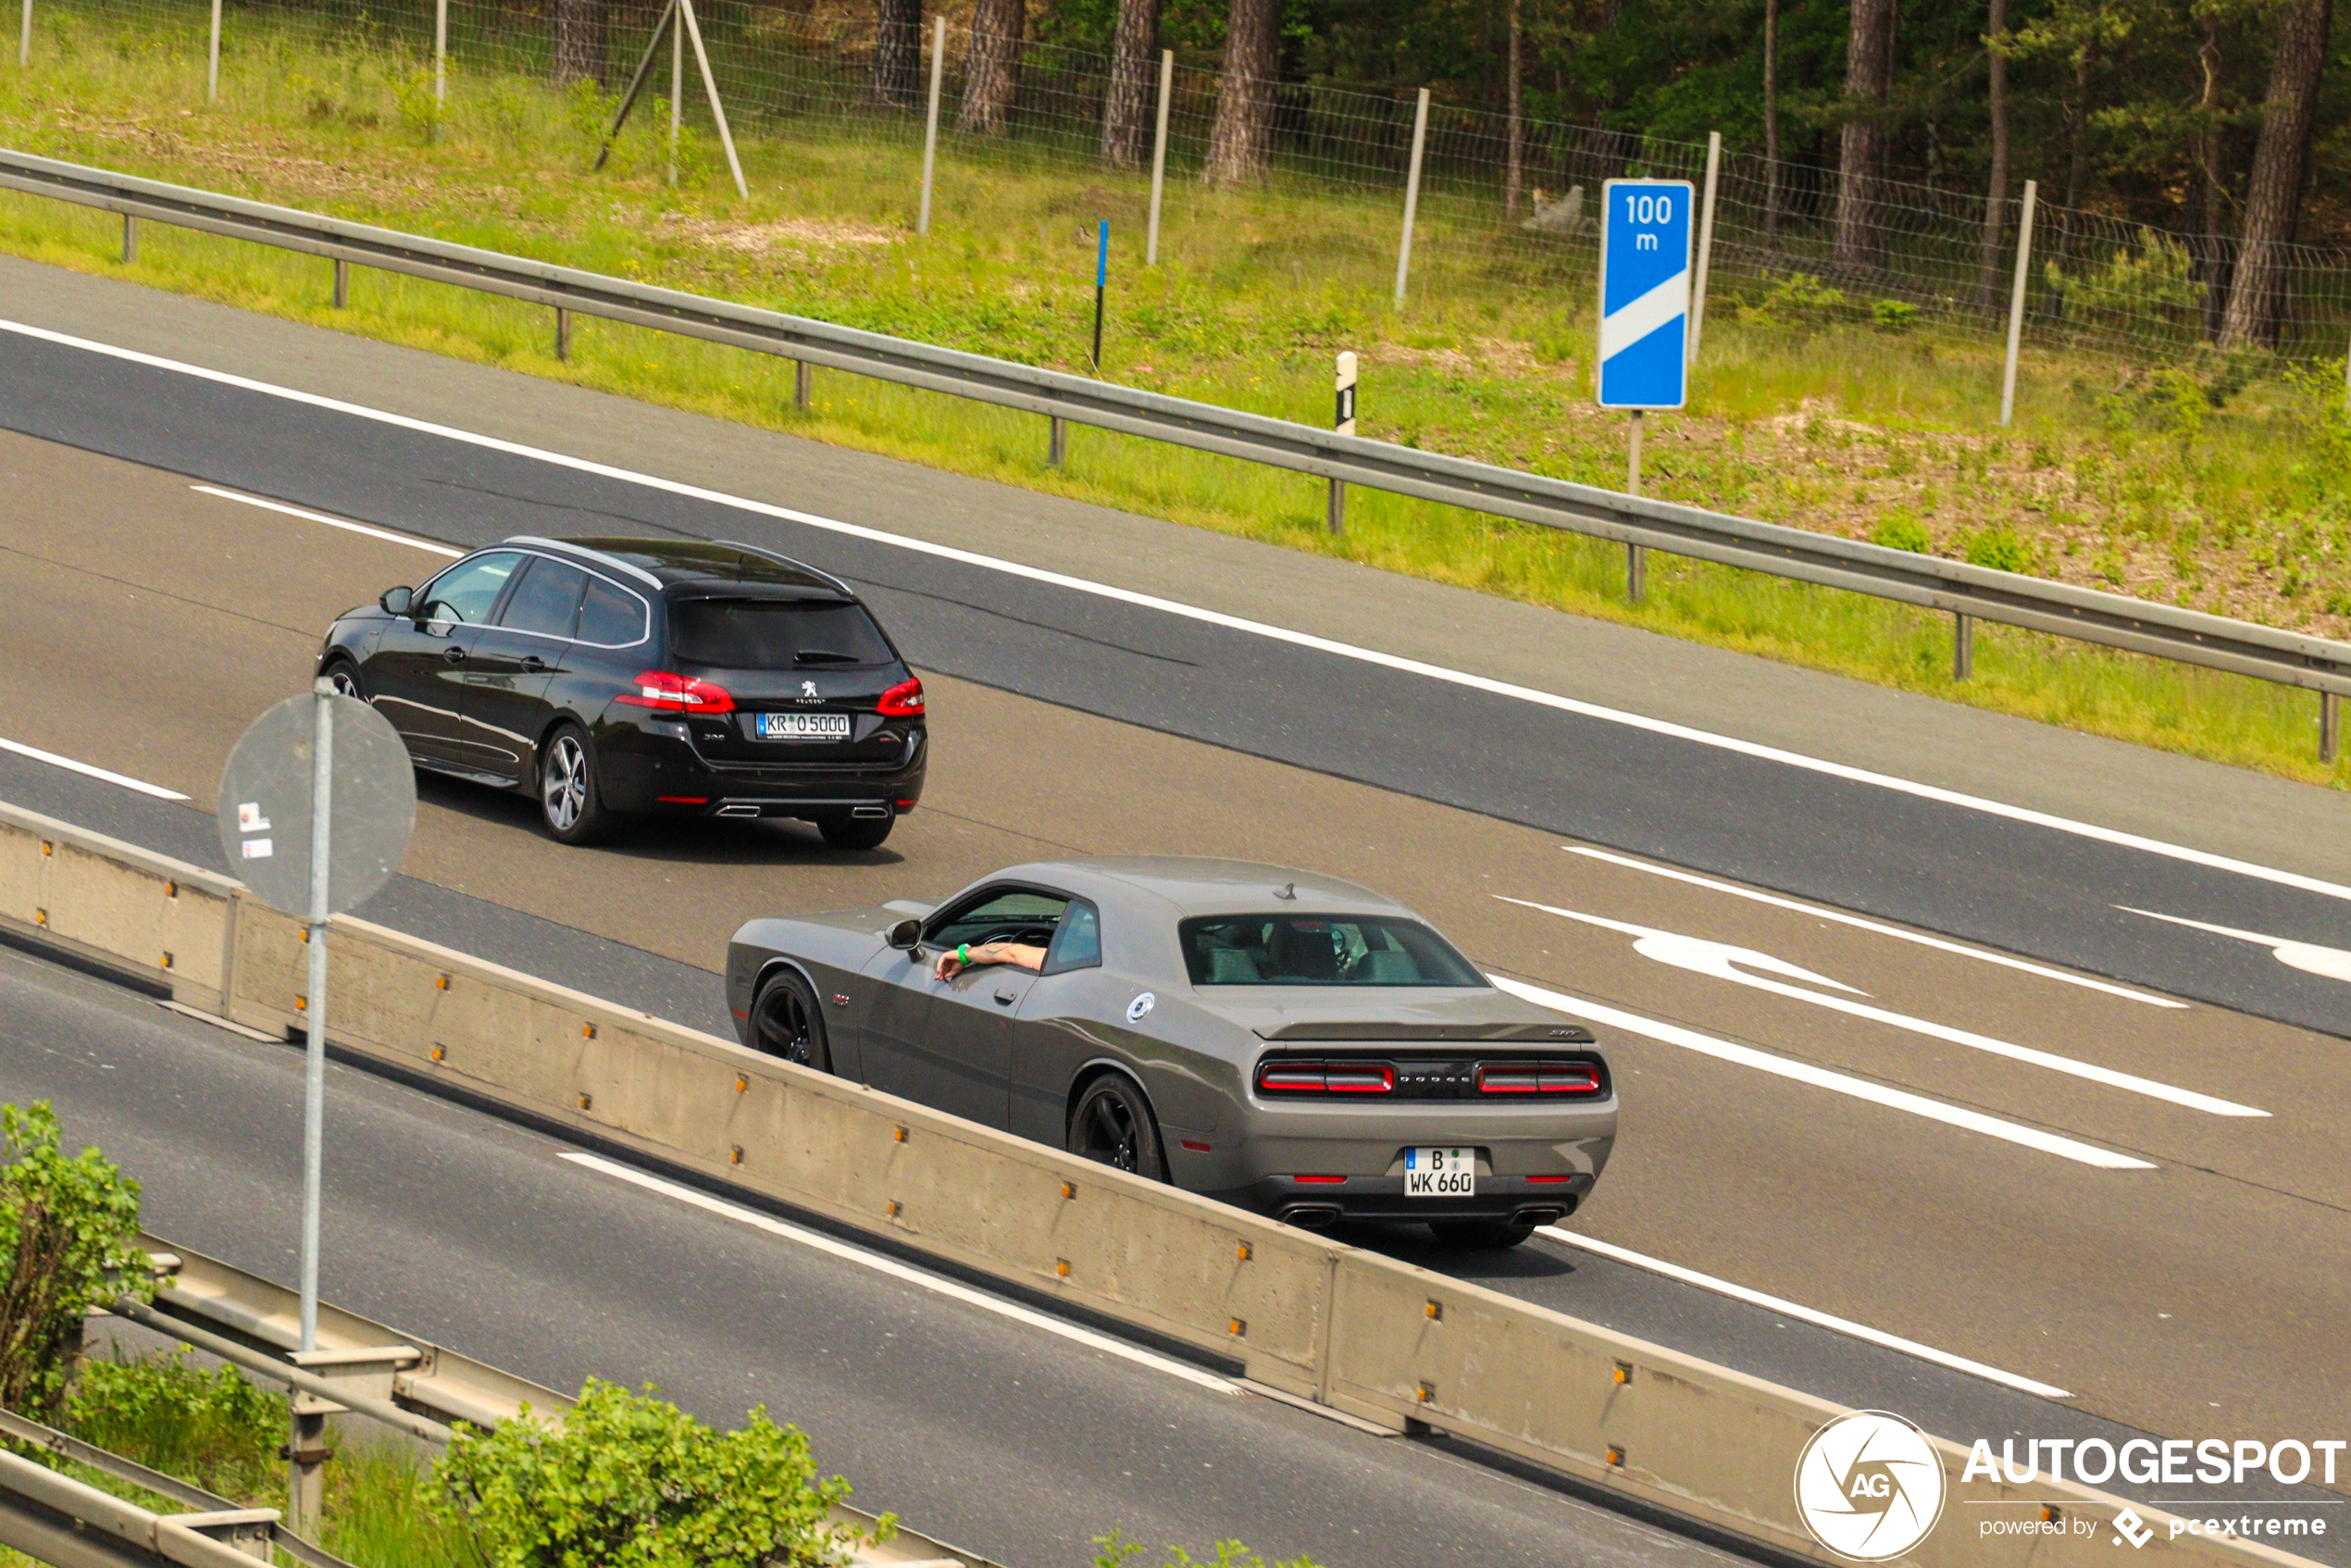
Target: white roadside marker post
x: 1343, y: 421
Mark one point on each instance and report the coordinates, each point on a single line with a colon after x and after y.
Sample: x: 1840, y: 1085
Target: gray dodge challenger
x: 1291, y: 1043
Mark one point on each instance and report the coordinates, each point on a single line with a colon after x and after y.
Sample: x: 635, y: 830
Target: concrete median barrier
x: 1360, y: 1333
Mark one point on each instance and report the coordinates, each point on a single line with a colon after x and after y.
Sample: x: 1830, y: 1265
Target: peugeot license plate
x: 1440, y: 1173
x: 802, y: 727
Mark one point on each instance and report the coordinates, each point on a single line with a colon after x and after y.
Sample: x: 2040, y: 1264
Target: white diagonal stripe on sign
x: 1637, y: 319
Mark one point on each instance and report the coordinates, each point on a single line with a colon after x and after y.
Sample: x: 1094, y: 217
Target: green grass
x: 2113, y: 475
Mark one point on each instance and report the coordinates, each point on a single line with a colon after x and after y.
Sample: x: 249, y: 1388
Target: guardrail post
x: 129, y: 238
x: 1962, y: 645
x: 562, y: 334
x: 931, y: 120
x: 1159, y: 154
x: 1057, y: 443
x: 342, y: 283
x: 2016, y: 299
x: 802, y: 374
x: 1411, y: 194
x: 306, y: 1454
x: 2330, y: 725
x: 212, y: 62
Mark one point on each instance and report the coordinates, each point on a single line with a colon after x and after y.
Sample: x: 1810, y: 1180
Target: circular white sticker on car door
x: 1141, y: 1005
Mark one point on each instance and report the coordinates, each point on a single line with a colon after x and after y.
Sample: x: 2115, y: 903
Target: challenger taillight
x: 901, y: 701
x: 1325, y: 1078
x: 1537, y: 1077
x: 670, y: 694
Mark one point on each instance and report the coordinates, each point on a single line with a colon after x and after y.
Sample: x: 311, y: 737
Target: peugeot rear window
x: 1319, y: 949
x: 774, y: 633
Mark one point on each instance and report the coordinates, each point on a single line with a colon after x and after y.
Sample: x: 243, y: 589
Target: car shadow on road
x: 696, y: 841
x: 1413, y: 1244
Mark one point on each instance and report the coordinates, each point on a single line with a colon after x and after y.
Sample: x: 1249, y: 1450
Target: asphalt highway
x: 2020, y: 885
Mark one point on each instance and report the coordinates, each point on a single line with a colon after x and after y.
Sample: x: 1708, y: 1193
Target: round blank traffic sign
x: 264, y: 805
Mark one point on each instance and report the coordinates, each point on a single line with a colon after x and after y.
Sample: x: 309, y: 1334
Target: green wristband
x: 963, y: 952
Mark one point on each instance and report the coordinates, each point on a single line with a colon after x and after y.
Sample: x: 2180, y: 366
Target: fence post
x: 1411, y: 194
x: 1705, y: 240
x: 1159, y: 158
x: 930, y: 119
x: 2016, y: 300
x: 439, y: 61
x: 1343, y: 421
x: 710, y: 85
x: 212, y: 58
x: 676, y: 95
x: 24, y: 38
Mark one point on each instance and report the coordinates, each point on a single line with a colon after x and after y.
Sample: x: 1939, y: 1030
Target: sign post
x: 1645, y: 313
x: 316, y: 807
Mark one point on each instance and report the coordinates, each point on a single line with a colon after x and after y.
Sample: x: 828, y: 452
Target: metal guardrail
x: 1968, y: 592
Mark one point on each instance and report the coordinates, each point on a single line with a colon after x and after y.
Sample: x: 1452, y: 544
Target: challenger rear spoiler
x: 1425, y: 1033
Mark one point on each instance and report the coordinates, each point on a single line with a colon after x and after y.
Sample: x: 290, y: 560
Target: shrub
x: 1899, y: 530
x: 68, y: 1239
x: 216, y: 1428
x: 1116, y: 1549
x: 421, y: 110
x: 2155, y: 285
x: 1794, y: 299
x: 631, y: 1481
x: 1894, y: 315
x: 1999, y: 549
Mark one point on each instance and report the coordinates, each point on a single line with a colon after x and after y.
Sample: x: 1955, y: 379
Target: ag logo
x: 1869, y: 1486
x: 1141, y: 1005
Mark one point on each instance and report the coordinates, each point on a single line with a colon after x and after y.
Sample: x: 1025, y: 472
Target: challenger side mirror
x: 906, y: 936
x: 398, y: 601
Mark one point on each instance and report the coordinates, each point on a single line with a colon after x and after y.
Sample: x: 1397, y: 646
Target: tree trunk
x: 579, y: 41
x: 1869, y: 76
x: 1514, y: 178
x: 1770, y: 119
x: 991, y: 70
x: 2208, y: 219
x: 1240, y: 143
x: 2273, y: 190
x: 1134, y: 71
x: 898, y: 52
x: 1995, y: 194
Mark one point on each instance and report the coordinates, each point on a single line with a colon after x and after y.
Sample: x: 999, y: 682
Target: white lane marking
x: 344, y: 523
x: 935, y: 1284
x: 1231, y: 623
x: 1876, y: 928
x: 2332, y: 963
x: 122, y: 779
x: 1724, y: 961
x: 1824, y: 1077
x: 1805, y: 1315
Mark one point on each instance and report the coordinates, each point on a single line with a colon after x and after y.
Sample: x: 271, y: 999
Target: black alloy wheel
x: 343, y: 676
x: 785, y: 1021
x: 1113, y: 1124
x: 570, y: 803
x: 1480, y: 1235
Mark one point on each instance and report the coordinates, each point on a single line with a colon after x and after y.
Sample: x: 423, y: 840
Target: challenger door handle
x: 1005, y: 999
x: 532, y: 664
x: 454, y: 655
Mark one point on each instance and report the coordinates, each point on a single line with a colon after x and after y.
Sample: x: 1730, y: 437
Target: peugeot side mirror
x: 398, y: 601
x: 906, y: 936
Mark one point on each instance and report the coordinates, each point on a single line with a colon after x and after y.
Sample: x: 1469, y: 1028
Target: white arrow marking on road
x: 1821, y: 1078
x: 1724, y: 961
x: 2331, y: 961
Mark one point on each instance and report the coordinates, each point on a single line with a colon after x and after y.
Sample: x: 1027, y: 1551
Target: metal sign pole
x: 314, y: 1071
x: 1101, y: 281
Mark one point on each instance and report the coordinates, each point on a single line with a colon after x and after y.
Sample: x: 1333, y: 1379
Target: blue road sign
x: 1644, y: 292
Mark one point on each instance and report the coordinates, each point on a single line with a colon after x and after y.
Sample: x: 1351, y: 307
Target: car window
x: 1077, y: 940
x: 611, y: 616
x: 1319, y: 949
x: 469, y: 591
x: 775, y: 633
x: 547, y: 599
x: 1007, y: 914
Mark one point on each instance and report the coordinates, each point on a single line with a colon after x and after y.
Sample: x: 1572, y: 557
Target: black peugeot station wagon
x: 615, y: 677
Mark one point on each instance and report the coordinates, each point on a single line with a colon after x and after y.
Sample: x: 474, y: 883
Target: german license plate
x: 1440, y: 1173
x: 802, y: 727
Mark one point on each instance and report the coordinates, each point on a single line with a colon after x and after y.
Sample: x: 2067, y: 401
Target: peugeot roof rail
x: 788, y: 561
x: 599, y: 556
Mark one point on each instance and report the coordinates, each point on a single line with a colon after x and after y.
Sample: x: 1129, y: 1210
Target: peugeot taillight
x: 666, y: 692
x: 901, y: 701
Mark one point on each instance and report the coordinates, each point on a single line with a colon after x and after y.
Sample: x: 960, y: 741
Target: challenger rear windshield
x: 774, y: 633
x: 1319, y: 949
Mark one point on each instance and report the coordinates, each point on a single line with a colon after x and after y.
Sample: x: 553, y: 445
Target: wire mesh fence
x: 1503, y: 204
